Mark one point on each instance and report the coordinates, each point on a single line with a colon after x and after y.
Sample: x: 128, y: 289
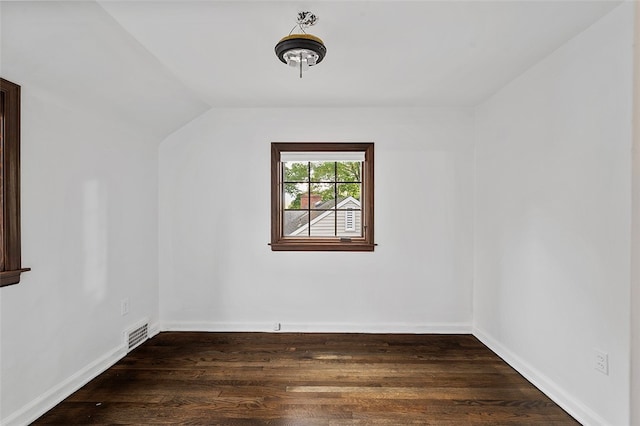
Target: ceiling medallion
x: 301, y: 50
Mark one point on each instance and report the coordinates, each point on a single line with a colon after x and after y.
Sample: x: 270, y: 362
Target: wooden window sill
x: 322, y: 246
x: 11, y: 277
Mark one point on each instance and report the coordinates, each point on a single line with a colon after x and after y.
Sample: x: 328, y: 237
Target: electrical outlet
x: 601, y: 361
x: 276, y: 326
x: 124, y: 307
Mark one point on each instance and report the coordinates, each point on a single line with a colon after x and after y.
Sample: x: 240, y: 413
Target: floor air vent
x: 136, y: 336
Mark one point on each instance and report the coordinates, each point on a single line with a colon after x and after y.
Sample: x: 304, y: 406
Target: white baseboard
x: 36, y: 408
x: 40, y: 405
x: 153, y: 330
x: 579, y: 411
x: 435, y: 328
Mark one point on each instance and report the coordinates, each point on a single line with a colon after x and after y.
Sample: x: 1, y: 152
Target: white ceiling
x: 161, y: 63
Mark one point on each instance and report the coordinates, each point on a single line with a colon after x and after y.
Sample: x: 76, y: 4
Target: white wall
x: 89, y: 233
x: 217, y: 272
x: 635, y: 235
x: 552, y: 220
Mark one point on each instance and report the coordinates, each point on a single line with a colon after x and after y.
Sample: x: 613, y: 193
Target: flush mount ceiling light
x: 301, y: 50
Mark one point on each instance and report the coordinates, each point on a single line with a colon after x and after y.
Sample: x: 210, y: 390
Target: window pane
x: 296, y: 223
x: 346, y: 190
x: 323, y: 224
x: 294, y: 194
x: 323, y: 171
x: 296, y: 171
x: 349, y: 171
x: 322, y: 195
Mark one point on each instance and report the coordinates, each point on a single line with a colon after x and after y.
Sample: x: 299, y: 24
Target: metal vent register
x: 136, y: 336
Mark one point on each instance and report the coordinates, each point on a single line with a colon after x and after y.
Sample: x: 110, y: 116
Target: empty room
x: 320, y: 212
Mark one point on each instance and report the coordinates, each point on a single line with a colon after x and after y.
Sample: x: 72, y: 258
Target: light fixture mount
x: 301, y: 50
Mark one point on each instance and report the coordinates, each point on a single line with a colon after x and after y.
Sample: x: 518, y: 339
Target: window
x: 10, y: 261
x: 322, y: 197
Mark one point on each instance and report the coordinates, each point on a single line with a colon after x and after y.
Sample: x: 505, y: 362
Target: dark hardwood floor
x: 309, y: 379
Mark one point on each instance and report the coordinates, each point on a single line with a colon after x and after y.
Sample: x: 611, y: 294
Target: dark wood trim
x: 10, y: 268
x: 281, y: 243
x: 11, y: 277
x: 315, y: 245
x: 276, y: 195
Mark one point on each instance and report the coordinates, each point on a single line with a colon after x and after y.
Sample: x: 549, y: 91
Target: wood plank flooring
x: 309, y: 379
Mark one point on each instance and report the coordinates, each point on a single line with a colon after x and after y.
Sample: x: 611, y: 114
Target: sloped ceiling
x: 79, y: 55
x: 161, y: 63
